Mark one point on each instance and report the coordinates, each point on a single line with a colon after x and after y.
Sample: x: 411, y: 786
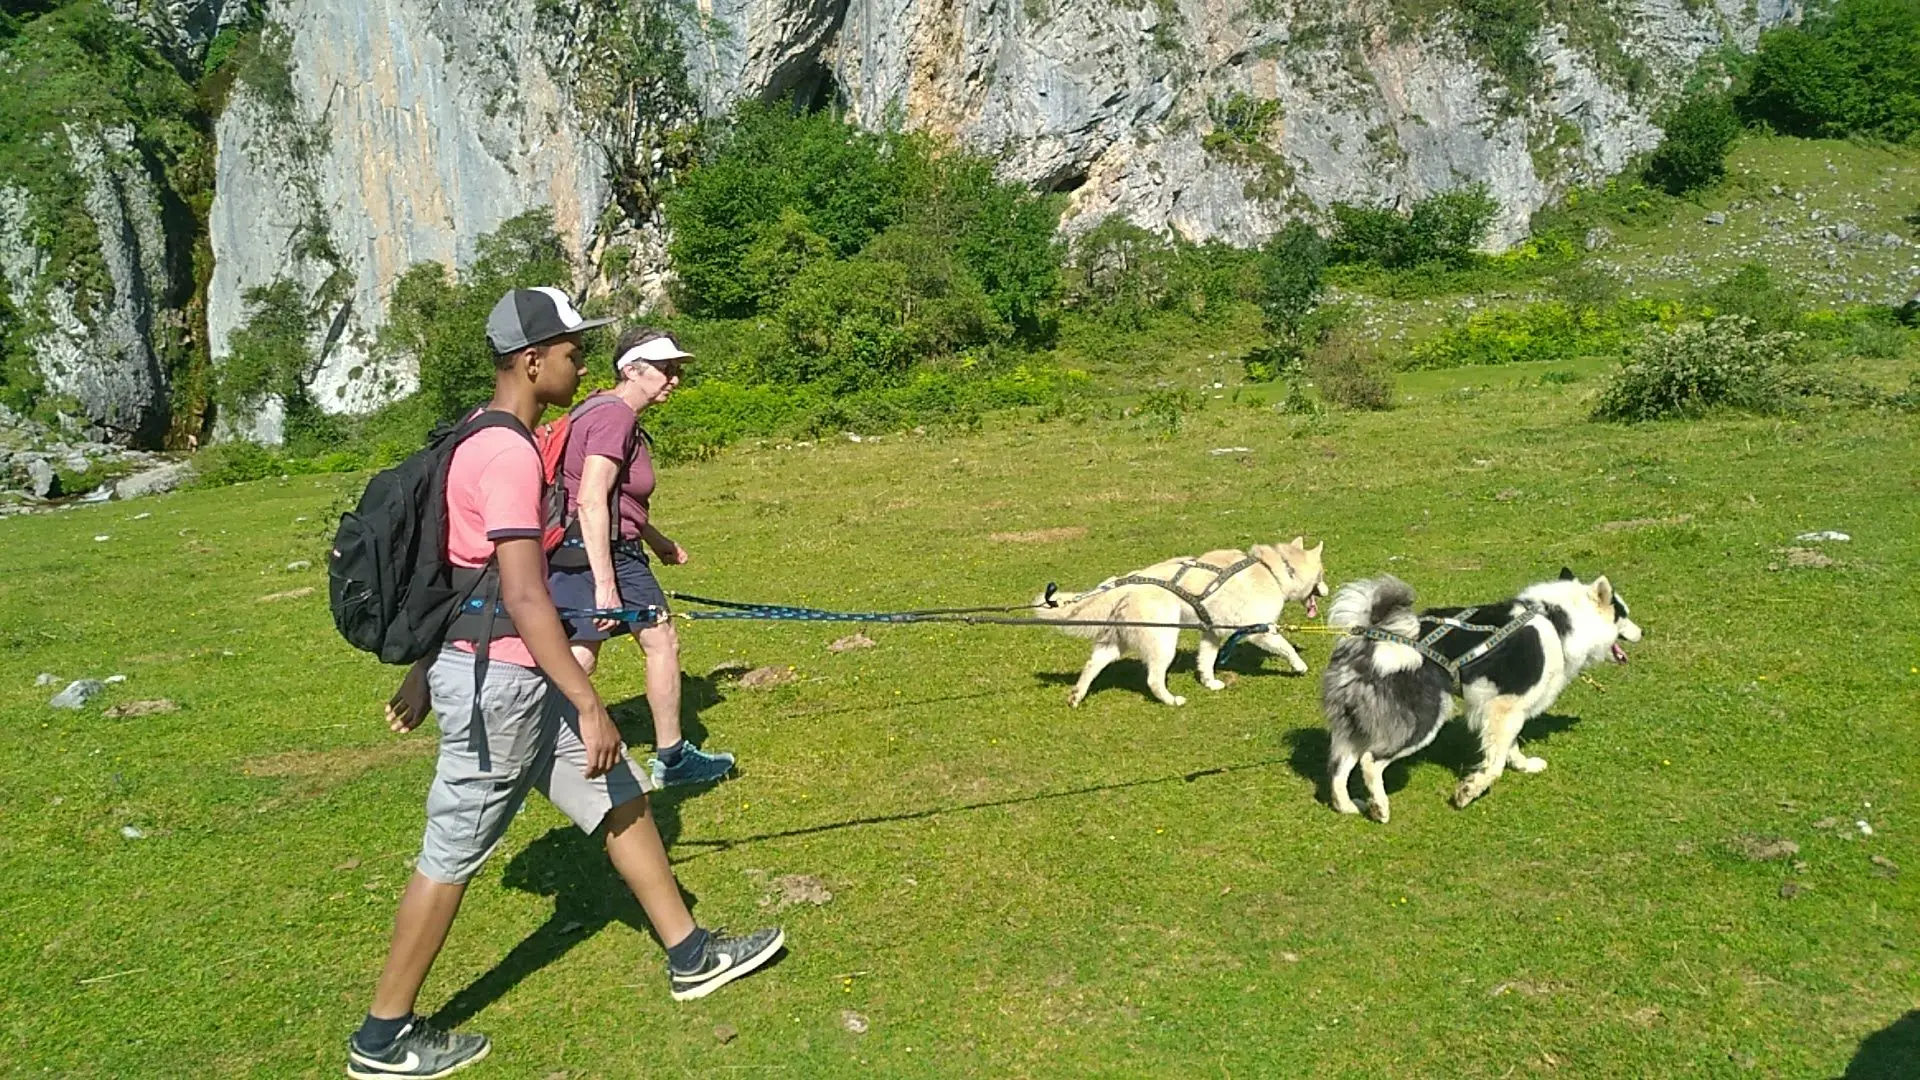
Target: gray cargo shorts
x: 533, y: 740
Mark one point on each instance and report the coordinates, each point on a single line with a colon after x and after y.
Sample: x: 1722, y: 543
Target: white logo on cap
x: 568, y: 316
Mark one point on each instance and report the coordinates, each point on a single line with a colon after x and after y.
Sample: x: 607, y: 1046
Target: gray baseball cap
x: 526, y: 317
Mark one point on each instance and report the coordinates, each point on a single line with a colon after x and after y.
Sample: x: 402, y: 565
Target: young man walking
x: 530, y: 720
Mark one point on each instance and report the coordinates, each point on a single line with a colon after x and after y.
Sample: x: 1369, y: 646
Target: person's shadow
x: 1455, y: 747
x: 1892, y: 1053
x: 572, y: 867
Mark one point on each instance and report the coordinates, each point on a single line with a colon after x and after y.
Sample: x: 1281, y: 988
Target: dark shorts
x: 574, y: 589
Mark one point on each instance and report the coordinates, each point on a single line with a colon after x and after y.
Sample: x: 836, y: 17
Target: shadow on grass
x: 729, y: 843
x: 1455, y: 747
x: 1247, y: 662
x: 571, y: 867
x: 1889, y: 1054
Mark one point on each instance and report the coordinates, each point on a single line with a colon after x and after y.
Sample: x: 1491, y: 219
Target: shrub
x: 1125, y: 276
x: 1290, y: 276
x: 1693, y: 155
x: 1349, y: 373
x: 1699, y: 367
x: 442, y: 322
x: 1751, y: 293
x: 1537, y: 332
x: 1444, y: 228
x: 1853, y: 69
x: 1876, y: 339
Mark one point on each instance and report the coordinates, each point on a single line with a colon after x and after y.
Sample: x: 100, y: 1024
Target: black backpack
x: 393, y: 592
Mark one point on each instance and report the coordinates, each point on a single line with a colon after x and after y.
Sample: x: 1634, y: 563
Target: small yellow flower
x: 1664, y: 761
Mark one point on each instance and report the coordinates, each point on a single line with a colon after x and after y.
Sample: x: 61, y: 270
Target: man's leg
x: 633, y: 843
x: 420, y: 928
x: 698, y: 962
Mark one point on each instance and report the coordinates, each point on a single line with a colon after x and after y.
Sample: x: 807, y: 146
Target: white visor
x: 652, y: 351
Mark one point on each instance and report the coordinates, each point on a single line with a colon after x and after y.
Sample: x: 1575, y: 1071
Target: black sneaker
x: 726, y: 959
x: 422, y: 1051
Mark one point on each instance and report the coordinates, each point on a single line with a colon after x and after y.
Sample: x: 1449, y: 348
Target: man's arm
x: 523, y: 588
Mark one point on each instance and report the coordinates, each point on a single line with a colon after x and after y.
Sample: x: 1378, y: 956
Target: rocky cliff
x: 373, y: 135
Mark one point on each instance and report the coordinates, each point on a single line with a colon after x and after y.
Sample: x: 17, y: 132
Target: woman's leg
x: 660, y: 644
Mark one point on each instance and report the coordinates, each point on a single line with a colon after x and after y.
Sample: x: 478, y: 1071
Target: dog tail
x: 1096, y: 603
x: 1382, y: 603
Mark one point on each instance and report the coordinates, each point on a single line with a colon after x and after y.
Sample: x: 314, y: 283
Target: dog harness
x: 1426, y: 644
x: 1195, y: 600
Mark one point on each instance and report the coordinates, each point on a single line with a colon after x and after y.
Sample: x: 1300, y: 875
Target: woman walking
x: 607, y: 471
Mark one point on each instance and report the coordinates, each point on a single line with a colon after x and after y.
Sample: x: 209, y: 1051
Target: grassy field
x: 1019, y: 889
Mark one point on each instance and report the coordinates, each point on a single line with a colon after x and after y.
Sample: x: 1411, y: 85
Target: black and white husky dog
x: 1385, y: 700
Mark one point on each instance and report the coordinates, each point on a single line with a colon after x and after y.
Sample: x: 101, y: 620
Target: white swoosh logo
x: 411, y: 1063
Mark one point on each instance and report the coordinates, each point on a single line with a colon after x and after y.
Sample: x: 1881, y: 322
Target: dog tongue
x: 1313, y: 608
x: 1619, y: 654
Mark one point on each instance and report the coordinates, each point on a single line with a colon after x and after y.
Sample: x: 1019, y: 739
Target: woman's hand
x: 671, y: 552
x: 606, y: 594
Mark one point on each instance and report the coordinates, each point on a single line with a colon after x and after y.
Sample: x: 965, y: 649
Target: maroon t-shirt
x: 611, y: 430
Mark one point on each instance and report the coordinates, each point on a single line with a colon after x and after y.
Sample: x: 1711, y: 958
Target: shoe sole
x: 745, y: 967
x: 474, y: 1060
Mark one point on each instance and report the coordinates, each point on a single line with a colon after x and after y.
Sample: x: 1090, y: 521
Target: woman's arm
x: 597, y: 478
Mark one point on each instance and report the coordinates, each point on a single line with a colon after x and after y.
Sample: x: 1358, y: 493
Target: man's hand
x: 602, y: 739
x: 606, y: 595
x: 408, y: 705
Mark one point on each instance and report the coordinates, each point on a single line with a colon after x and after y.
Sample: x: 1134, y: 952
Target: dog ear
x: 1318, y: 548
x: 1603, y: 592
x: 1298, y: 543
x: 1567, y: 575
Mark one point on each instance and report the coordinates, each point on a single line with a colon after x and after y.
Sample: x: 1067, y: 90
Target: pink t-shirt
x: 494, y: 491
x: 610, y: 430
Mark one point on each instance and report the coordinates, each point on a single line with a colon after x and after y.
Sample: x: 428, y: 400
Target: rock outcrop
x: 401, y: 130
x: 97, y: 343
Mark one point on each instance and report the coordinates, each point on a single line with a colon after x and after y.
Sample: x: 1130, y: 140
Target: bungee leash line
x: 988, y: 616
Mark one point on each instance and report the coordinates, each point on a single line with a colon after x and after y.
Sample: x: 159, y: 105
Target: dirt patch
x: 852, y: 642
x: 1645, y: 523
x: 765, y: 678
x: 1764, y: 849
x: 792, y: 890
x: 1040, y: 536
x: 290, y: 594
x: 1799, y: 558
x: 330, y: 767
x: 141, y: 708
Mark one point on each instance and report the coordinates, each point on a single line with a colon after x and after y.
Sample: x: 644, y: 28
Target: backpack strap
x: 474, y: 578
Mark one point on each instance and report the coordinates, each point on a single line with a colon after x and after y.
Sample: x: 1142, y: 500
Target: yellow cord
x: 1591, y: 681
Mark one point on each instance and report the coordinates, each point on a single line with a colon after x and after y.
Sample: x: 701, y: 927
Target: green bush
x: 1693, y: 155
x: 1291, y: 265
x: 1349, y: 373
x: 1125, y: 277
x: 1538, y: 332
x: 1445, y: 228
x: 442, y: 322
x: 1852, y: 69
x: 1751, y: 293
x: 1698, y: 367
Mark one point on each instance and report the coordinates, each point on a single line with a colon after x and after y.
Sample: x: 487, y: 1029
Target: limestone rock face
x: 180, y: 29
x: 97, y: 345
x: 404, y: 132
x: 407, y: 130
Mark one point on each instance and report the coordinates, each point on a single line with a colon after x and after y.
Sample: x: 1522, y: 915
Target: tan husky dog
x: 1232, y: 589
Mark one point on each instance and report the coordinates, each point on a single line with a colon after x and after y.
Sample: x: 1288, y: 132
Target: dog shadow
x: 1131, y: 673
x: 1892, y: 1053
x: 1455, y: 747
x: 588, y: 895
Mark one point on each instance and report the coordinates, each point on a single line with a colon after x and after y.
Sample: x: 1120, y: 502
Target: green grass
x: 1025, y: 890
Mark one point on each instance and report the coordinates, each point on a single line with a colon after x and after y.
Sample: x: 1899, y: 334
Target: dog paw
x: 1299, y: 667
x: 1531, y: 765
x: 1466, y: 793
x: 1177, y: 700
x: 1214, y: 684
x: 1073, y: 701
x: 1378, y: 811
x: 1346, y: 807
